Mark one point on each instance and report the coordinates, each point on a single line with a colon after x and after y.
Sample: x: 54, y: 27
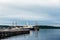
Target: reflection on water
x: 42, y: 34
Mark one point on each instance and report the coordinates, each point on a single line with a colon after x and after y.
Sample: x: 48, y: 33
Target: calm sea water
x: 42, y: 34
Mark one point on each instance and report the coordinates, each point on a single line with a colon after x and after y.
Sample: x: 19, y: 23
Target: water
x: 42, y: 34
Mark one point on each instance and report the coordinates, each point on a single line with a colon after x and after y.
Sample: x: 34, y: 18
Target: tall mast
x: 13, y: 24
x: 36, y: 23
x: 16, y: 23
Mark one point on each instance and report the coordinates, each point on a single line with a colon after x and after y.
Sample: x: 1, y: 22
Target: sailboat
x: 28, y: 27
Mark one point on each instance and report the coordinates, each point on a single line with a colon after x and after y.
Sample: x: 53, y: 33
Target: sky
x: 44, y: 12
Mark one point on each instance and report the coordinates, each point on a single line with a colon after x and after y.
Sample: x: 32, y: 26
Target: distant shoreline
x: 48, y: 27
x: 40, y: 26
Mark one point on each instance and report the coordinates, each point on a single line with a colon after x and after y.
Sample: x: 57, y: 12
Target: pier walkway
x: 12, y: 32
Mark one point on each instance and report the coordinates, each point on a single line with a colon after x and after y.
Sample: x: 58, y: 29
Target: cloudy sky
x: 45, y: 12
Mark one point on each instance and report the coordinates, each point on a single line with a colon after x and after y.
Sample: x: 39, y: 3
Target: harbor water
x: 42, y: 34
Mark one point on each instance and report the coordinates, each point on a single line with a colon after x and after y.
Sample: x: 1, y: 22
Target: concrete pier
x: 9, y: 33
